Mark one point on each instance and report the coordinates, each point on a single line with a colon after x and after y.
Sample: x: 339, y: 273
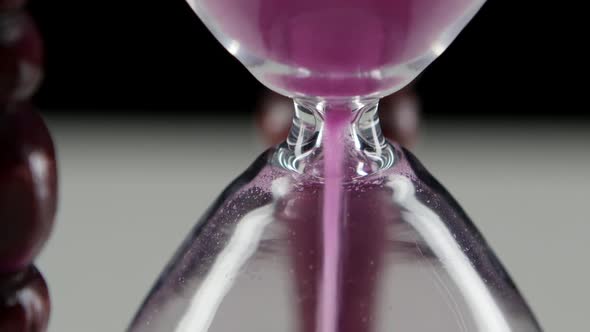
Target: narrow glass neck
x: 351, y: 126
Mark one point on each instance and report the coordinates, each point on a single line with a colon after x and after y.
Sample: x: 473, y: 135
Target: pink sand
x: 340, y: 42
x: 337, y: 122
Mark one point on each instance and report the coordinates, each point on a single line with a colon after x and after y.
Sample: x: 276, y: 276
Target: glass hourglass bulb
x: 336, y: 229
x: 335, y: 48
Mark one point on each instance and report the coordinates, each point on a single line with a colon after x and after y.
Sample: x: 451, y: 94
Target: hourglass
x: 336, y: 229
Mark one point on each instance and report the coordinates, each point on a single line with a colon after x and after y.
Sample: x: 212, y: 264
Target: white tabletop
x: 132, y: 189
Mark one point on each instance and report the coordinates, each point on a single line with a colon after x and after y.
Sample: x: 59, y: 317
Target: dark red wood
x: 28, y: 186
x: 9, y: 5
x: 21, y: 55
x: 24, y: 302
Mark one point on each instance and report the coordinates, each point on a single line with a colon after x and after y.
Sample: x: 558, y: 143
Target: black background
x: 155, y: 57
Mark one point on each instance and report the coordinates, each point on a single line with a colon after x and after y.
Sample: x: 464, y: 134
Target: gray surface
x: 131, y: 191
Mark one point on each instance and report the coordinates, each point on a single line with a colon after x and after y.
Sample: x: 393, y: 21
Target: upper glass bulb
x: 336, y: 48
